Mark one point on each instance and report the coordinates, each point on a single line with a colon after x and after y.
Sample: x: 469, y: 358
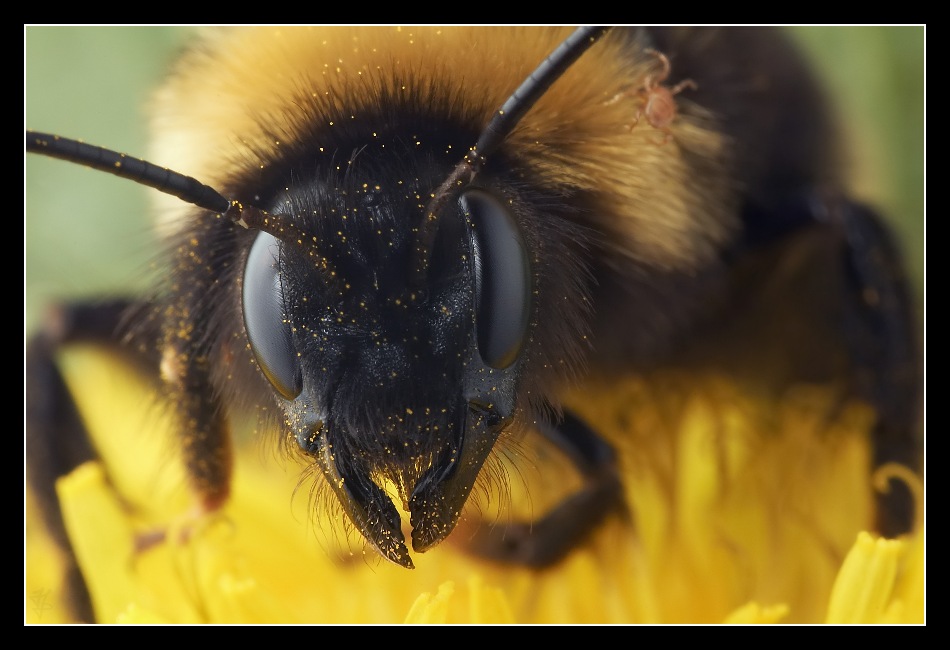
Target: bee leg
x: 882, y: 333
x: 205, y: 446
x: 543, y: 542
x: 875, y: 322
x: 204, y: 435
x: 56, y: 439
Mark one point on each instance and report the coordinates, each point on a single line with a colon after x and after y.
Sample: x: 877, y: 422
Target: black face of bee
x: 383, y: 378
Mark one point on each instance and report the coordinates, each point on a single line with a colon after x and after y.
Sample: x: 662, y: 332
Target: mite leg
x: 547, y: 540
x: 56, y: 438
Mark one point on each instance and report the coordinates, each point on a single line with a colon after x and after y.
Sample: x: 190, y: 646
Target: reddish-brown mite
x: 656, y: 101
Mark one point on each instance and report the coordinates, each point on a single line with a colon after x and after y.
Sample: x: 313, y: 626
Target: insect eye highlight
x: 265, y: 318
x: 502, y: 279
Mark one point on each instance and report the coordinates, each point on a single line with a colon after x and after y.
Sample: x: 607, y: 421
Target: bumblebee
x: 410, y: 321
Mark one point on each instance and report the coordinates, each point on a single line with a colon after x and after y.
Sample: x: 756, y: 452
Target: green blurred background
x: 87, y: 233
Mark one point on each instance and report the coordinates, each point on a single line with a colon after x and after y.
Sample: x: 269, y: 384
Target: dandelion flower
x: 726, y: 524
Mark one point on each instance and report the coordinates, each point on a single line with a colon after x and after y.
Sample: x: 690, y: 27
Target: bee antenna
x: 165, y: 180
x: 532, y: 88
x: 143, y: 172
x: 500, y: 127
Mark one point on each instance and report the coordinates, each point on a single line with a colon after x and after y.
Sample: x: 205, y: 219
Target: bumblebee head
x: 388, y: 299
x: 387, y: 376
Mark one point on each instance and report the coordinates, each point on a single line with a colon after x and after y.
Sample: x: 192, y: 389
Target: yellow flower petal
x: 103, y: 539
x: 135, y: 615
x: 488, y: 604
x: 432, y: 609
x: 730, y: 504
x: 751, y: 613
x: 865, y: 582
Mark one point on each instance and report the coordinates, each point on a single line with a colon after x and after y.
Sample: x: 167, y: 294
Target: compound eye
x: 265, y: 318
x: 502, y: 279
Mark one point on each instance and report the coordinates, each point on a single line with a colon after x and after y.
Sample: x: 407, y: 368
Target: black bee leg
x: 882, y: 331
x: 870, y: 313
x: 547, y: 540
x: 187, y: 363
x: 56, y: 439
x: 204, y: 435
